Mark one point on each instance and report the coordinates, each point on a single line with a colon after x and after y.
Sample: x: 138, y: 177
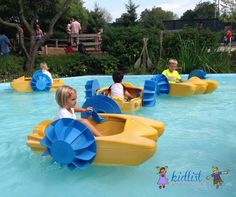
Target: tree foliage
x: 28, y: 13
x: 155, y: 17
x: 228, y: 10
x: 97, y: 19
x: 126, y: 43
x: 75, y: 9
x: 201, y: 11
x: 129, y: 18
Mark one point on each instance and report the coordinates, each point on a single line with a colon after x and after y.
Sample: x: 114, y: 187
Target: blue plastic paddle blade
x: 68, y: 140
x: 82, y: 144
x: 91, y: 88
x: 72, y: 135
x: 81, y: 164
x: 45, y: 153
x: 87, y: 114
x: 86, y: 155
x: 200, y: 73
x: 97, y: 118
x: 40, y: 81
x: 101, y: 104
x: 162, y: 84
x: 62, y: 152
x: 50, y: 134
x: 149, y: 93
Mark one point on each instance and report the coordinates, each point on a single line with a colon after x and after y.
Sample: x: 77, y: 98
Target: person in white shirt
x: 66, y: 98
x: 118, y: 90
x: 44, y: 68
x: 75, y: 30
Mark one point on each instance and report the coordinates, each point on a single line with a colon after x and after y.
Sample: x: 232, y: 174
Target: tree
x: 201, y: 11
x: 75, y: 9
x: 228, y: 9
x: 129, y: 18
x: 105, y: 14
x: 189, y: 14
x: 155, y: 17
x: 97, y: 19
x: 28, y: 13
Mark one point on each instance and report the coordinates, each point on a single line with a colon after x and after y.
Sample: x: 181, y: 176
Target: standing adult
x: 20, y: 39
x: 19, y: 35
x: 38, y: 35
x: 75, y: 30
x: 4, y: 43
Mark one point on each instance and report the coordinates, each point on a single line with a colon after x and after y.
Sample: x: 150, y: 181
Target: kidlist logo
x: 188, y: 177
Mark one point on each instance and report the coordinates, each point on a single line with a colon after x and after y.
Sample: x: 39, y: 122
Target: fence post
x: 46, y: 50
x: 57, y: 43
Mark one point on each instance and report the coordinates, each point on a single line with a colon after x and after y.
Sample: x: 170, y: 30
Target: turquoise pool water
x: 200, y: 133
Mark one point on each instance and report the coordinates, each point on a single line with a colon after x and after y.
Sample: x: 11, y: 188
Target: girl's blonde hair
x: 173, y: 61
x: 62, y: 95
x: 44, y: 66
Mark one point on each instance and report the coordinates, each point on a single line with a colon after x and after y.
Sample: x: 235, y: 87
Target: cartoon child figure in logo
x: 162, y: 181
x: 217, y: 181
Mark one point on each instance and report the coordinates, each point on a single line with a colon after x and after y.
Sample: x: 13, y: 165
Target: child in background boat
x: 118, y: 90
x: 171, y: 73
x: 66, y: 98
x: 45, y: 71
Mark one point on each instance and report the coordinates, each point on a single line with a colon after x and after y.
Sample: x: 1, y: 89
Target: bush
x: 195, y: 49
x: 126, y: 43
x: 11, y: 67
x: 102, y: 65
x: 191, y: 48
x: 76, y: 64
x: 194, y: 55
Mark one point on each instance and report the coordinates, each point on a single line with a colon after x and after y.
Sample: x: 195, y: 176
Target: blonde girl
x: 66, y: 98
x: 44, y: 68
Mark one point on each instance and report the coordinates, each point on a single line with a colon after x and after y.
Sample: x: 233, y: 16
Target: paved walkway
x: 227, y: 48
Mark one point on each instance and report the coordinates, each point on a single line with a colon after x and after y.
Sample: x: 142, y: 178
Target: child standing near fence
x: 229, y: 35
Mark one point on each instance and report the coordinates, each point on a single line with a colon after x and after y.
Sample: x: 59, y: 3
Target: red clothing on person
x: 229, y: 34
x: 69, y: 49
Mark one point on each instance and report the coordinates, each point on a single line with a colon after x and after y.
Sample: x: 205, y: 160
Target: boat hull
x: 126, y: 105
x: 22, y: 84
x: 193, y: 86
x: 127, y: 140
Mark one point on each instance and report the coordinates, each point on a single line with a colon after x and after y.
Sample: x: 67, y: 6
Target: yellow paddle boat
x: 124, y: 104
x: 193, y: 86
x: 142, y: 96
x: 127, y: 140
x: 22, y: 84
x: 196, y: 84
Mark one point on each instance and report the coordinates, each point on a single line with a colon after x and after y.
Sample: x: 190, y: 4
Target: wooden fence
x: 88, y: 40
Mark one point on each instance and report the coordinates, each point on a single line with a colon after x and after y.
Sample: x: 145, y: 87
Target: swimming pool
x: 199, y: 134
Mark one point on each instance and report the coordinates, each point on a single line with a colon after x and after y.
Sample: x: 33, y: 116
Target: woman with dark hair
x: 38, y: 35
